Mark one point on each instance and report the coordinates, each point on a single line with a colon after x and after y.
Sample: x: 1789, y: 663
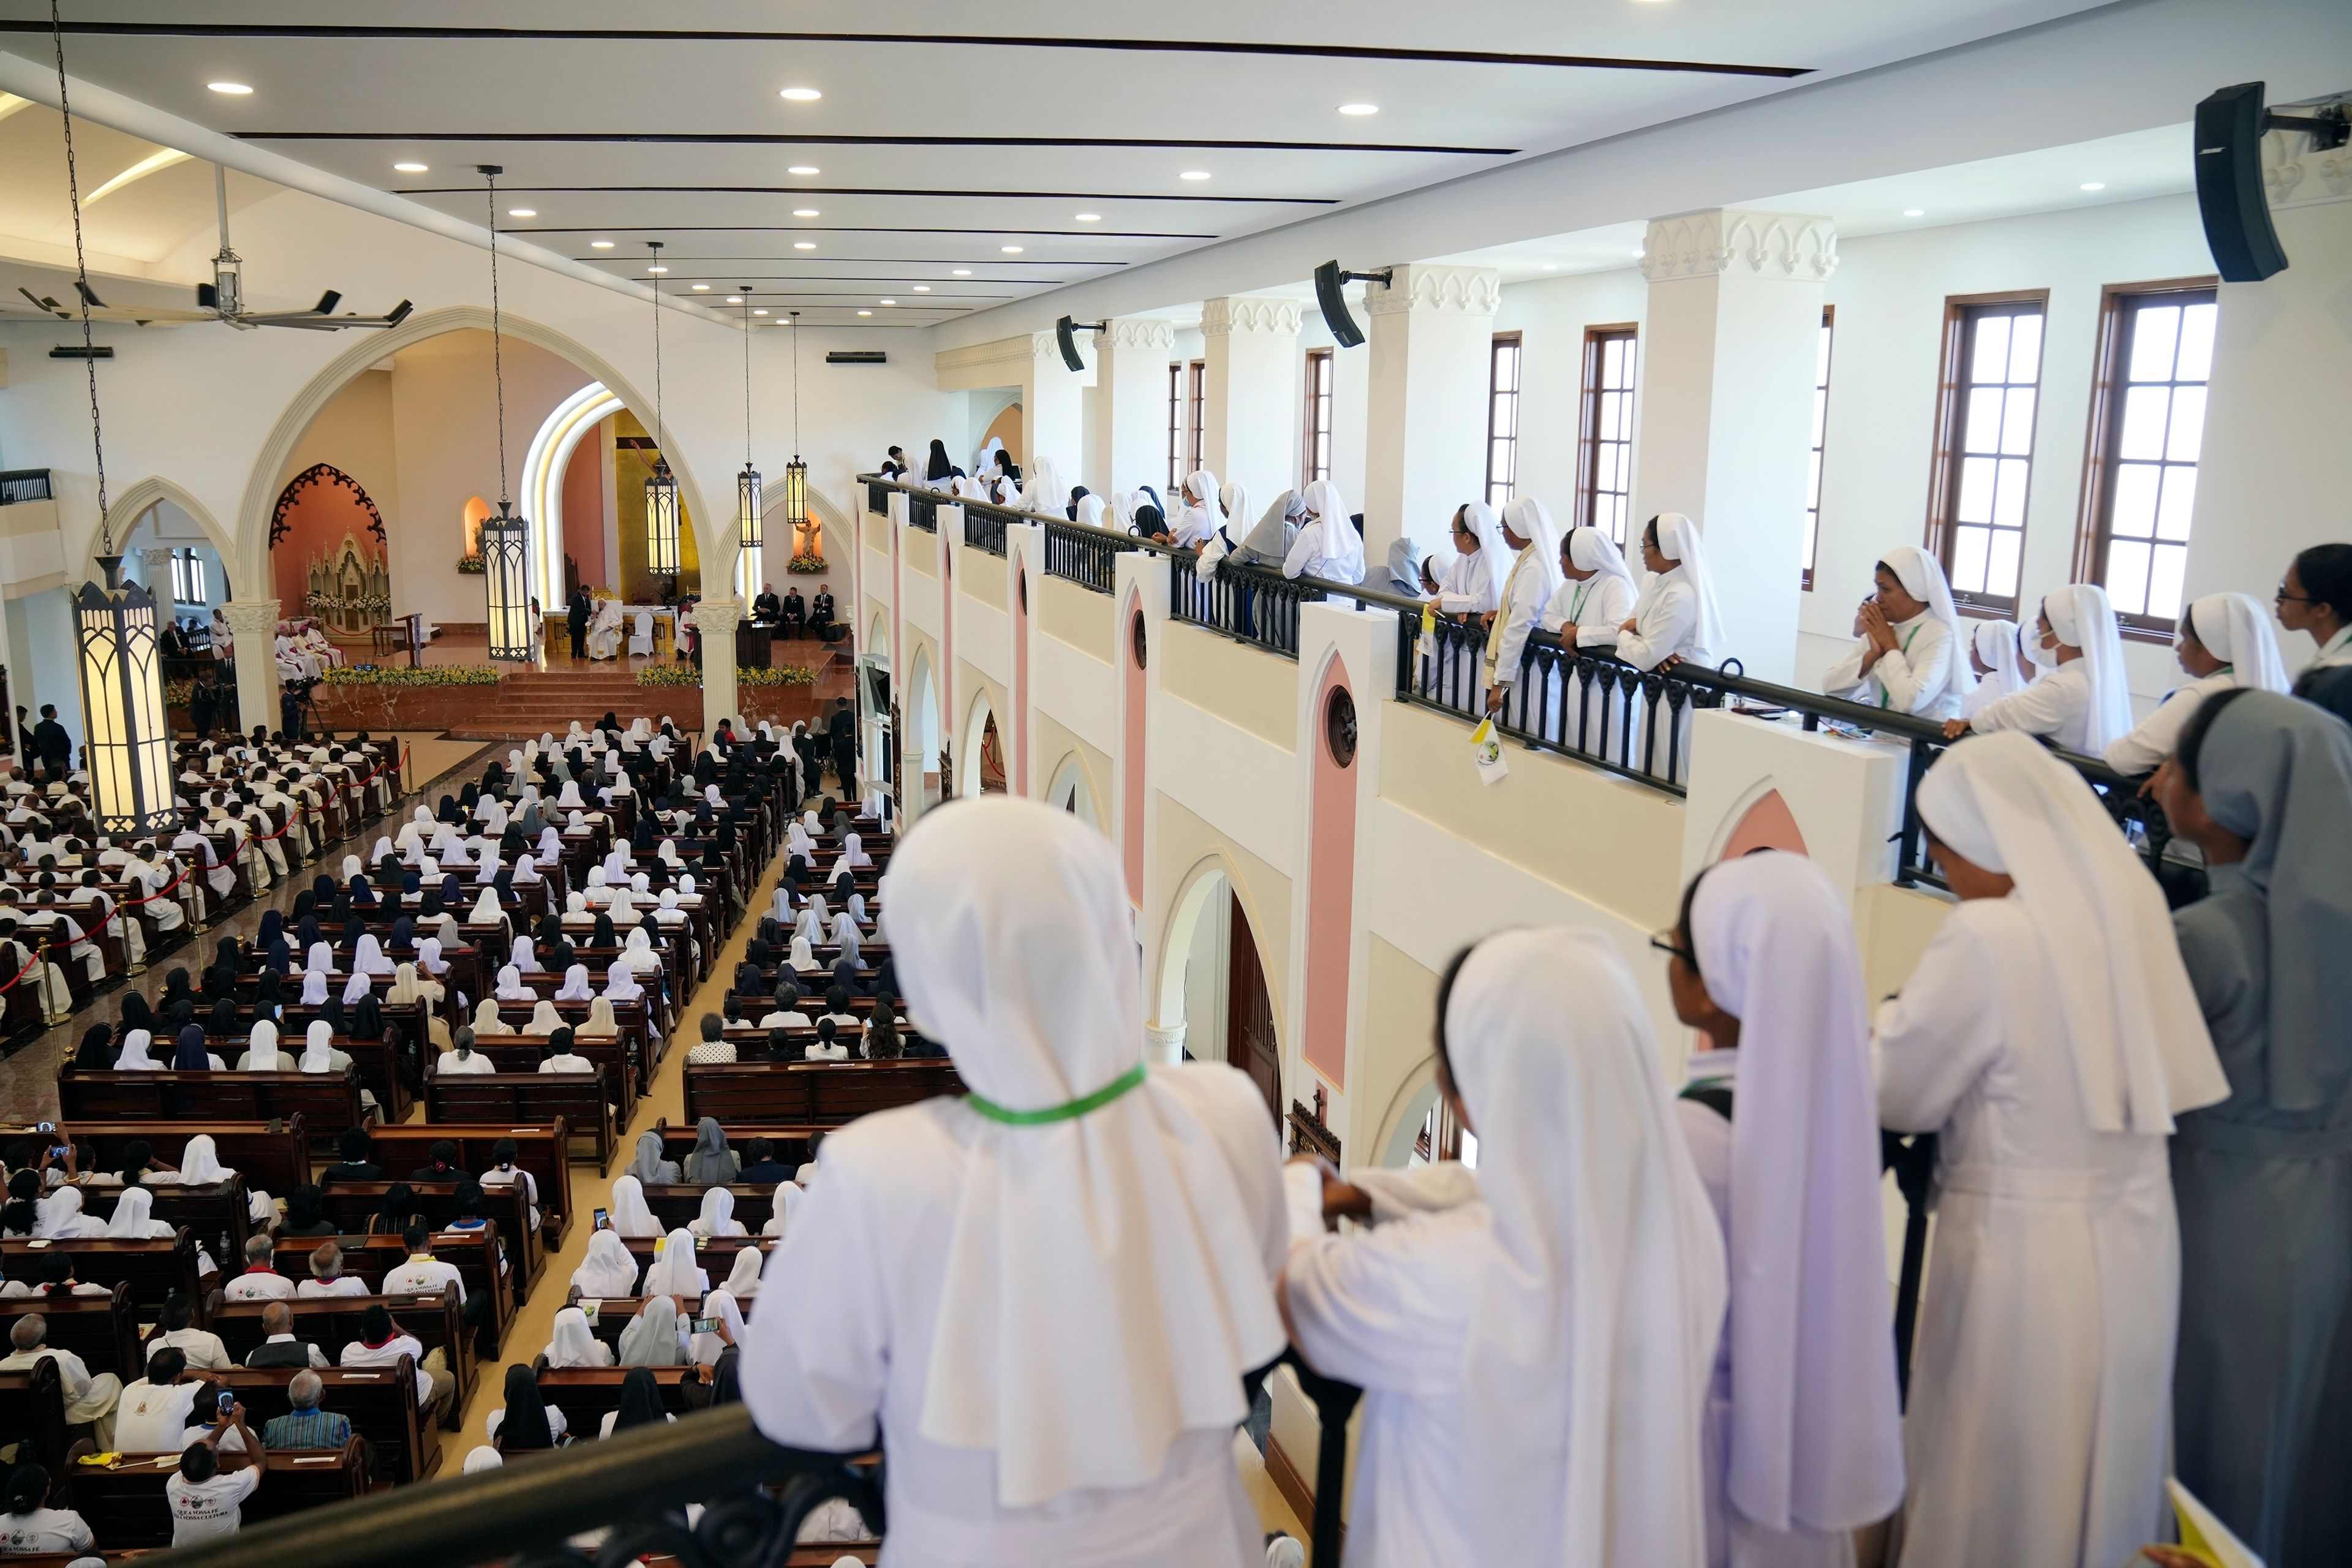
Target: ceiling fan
x: 223, y: 298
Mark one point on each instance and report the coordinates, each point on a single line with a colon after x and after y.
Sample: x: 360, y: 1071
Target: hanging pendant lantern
x: 126, y: 742
x: 749, y: 501
x: 661, y: 487
x: 796, y: 511
x: 506, y: 537
x: 126, y: 737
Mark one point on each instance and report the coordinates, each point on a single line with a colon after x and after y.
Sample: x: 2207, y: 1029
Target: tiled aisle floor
x: 28, y: 1088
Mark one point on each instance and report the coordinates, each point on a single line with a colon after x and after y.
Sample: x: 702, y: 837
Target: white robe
x: 2157, y: 736
x: 2057, y: 706
x: 1915, y: 677
x: 604, y: 630
x: 877, y: 1227
x: 2038, y: 1423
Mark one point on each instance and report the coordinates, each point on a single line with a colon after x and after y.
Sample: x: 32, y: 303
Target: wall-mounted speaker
x: 2229, y: 185
x: 1065, y: 333
x: 1329, y: 280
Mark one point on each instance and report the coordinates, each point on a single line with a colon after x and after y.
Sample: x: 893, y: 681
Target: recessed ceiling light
x: 1012, y: 250
x: 1636, y: 254
x: 887, y: 302
x: 523, y: 212
x: 734, y: 299
x: 1915, y: 212
x: 963, y: 271
x: 922, y: 288
x: 1552, y: 267
x: 759, y: 312
x: 864, y: 313
x: 408, y: 168
x: 658, y: 270
x: 234, y: 89
x: 1091, y: 217
x: 1360, y: 109
x: 600, y: 244
x: 1193, y: 174
x: 2094, y: 185
x: 802, y: 94
x: 804, y: 169
x: 806, y: 211
x: 804, y: 245
x: 702, y: 287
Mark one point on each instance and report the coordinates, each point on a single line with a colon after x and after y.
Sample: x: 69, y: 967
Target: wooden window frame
x: 1588, y: 416
x: 1321, y: 372
x: 1175, y: 424
x: 1494, y: 395
x: 1944, y: 475
x: 2104, y: 435
x: 1821, y: 449
x: 1199, y: 394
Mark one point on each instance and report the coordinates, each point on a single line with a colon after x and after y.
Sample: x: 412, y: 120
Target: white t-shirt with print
x: 202, y: 1509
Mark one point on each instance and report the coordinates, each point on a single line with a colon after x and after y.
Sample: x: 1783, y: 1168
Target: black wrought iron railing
x: 923, y: 512
x: 877, y: 496
x: 1245, y: 602
x: 1087, y: 556
x: 24, y: 484
x: 984, y: 526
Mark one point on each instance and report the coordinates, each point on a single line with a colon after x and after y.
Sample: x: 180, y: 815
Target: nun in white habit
x: 1804, y: 1430
x: 2224, y: 641
x: 1675, y: 616
x: 1327, y: 544
x: 1596, y: 592
x: 1045, y: 1293
x: 1908, y: 648
x: 1993, y: 659
x: 2084, y: 703
x: 2049, y: 1035
x: 1535, y: 1350
x: 1528, y: 529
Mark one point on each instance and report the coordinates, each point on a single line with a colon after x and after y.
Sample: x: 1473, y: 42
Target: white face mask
x: 2043, y: 657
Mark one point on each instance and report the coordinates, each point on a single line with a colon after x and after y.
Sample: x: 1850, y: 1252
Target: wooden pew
x: 820, y: 1094
x: 218, y: 1214
x: 350, y: 1205
x: 680, y: 1204
x: 371, y: 1257
x: 715, y: 1256
x: 126, y: 1508
x: 614, y: 1314
x: 544, y: 1151
x: 583, y: 1101
x: 272, y: 1156
x: 585, y: 1394
x: 101, y: 1329
x: 327, y: 1103
x: 330, y: 1322
x: 381, y: 1402
x: 618, y: 1057
x: 33, y: 1412
x: 152, y: 1269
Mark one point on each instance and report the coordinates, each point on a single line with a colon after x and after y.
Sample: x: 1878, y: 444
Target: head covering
x: 705, y: 1348
x: 2142, y: 1055
x: 544, y: 1019
x: 1343, y: 547
x: 576, y: 987
x: 1090, y: 511
x: 260, y: 1048
x: 1816, y: 1434
x: 1108, y: 1291
x: 522, y: 958
x: 131, y: 1219
x: 674, y: 1272
x: 651, y: 1337
x: 2278, y: 772
x: 1996, y: 644
x: 318, y: 1043
x: 787, y: 1198
x: 717, y: 1216
x: 314, y: 988
x: 357, y: 988
x: 1593, y: 1326
x: 199, y: 1165
x: 1481, y: 520
x: 641, y: 1401
x: 629, y: 1213
x: 743, y: 1279
x: 2081, y: 618
x: 646, y: 1163
x: 574, y: 1343
x: 620, y: 982
x: 1591, y: 550
x: 601, y: 1020
x: 367, y: 956
x: 1922, y: 576
x: 609, y: 1269
x: 188, y: 1053
x: 1532, y: 520
x: 2236, y: 629
x: 524, y: 1426
x: 712, y: 1160
x: 1679, y: 540
x: 484, y: 1456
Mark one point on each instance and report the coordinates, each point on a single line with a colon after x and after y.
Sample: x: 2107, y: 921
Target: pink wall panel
x: 1331, y: 895
x: 583, y: 509
x: 1132, y: 761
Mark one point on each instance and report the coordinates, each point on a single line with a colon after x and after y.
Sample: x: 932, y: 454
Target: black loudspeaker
x: 2230, y: 196
x: 1328, y: 281
x: 1065, y: 332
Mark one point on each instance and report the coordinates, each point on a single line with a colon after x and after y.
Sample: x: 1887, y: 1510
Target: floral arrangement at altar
x: 406, y: 674
x: 472, y: 565
x: 687, y: 674
x: 806, y: 563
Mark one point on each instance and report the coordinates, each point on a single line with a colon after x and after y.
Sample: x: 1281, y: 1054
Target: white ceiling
x: 945, y: 134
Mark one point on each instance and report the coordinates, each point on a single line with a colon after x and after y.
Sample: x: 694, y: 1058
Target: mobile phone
x: 705, y: 1325
x: 58, y: 1151
x: 46, y: 1127
x: 604, y: 1220
x: 226, y: 1401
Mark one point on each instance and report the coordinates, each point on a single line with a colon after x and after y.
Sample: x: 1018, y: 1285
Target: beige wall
x: 1056, y: 744
x: 1399, y: 1049
x: 1087, y: 620
x: 1243, y: 686
x: 922, y: 551
x: 1182, y: 845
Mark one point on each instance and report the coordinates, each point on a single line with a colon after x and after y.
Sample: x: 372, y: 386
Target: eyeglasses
x: 1664, y: 942
x: 2287, y: 598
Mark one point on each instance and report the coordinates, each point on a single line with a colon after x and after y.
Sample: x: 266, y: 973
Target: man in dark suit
x: 843, y: 728
x: 795, y: 612
x: 50, y: 742
x: 821, y: 616
x: 767, y: 606
x: 763, y: 1169
x: 576, y: 621
x: 281, y: 1348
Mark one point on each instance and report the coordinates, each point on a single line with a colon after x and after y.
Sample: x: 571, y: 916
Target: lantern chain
x: 82, y: 273
x: 497, y: 360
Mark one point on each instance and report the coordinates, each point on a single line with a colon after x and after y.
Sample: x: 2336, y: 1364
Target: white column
x: 1052, y: 408
x: 253, y: 622
x: 155, y: 566
x: 2274, y: 466
x: 1430, y: 336
x: 1164, y: 1043
x: 1130, y: 404
x: 1252, y: 395
x: 718, y: 619
x: 1724, y: 386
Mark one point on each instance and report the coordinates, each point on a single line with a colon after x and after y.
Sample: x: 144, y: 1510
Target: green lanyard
x: 1576, y: 609
x: 1066, y: 1112
x: 1907, y: 648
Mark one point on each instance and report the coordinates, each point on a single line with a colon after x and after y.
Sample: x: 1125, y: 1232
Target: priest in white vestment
x: 604, y: 630
x: 2049, y: 1035
x: 1045, y: 1294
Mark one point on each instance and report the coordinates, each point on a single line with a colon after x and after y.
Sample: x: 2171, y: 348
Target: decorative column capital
x: 1248, y: 315
x: 1137, y: 332
x: 1428, y: 288
x: 251, y: 617
x: 2295, y: 175
x: 1735, y: 242
x: 1164, y: 1043
x: 156, y: 555
x: 714, y: 616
